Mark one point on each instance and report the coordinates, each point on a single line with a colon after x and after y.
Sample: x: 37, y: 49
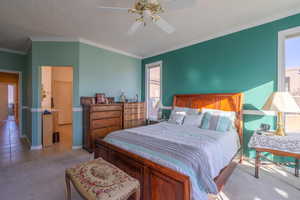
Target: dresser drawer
x: 134, y: 110
x: 105, y: 114
x: 136, y: 116
x: 133, y: 123
x: 134, y: 105
x: 102, y: 132
x: 106, y: 108
x: 103, y: 123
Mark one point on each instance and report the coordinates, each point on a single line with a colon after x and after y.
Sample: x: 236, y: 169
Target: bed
x: 147, y: 153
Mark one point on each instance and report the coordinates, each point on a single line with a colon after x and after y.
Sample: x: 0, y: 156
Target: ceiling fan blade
x: 134, y: 27
x: 113, y: 8
x: 164, y: 25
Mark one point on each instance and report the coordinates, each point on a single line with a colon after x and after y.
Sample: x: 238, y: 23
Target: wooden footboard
x: 157, y: 182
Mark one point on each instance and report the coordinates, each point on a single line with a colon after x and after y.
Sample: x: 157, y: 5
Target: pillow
x: 230, y: 115
x: 178, y: 114
x: 214, y: 121
x: 176, y: 118
x: 187, y: 111
x: 192, y: 120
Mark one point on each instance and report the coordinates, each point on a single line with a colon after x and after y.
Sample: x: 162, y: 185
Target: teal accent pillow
x: 216, y: 122
x: 224, y: 124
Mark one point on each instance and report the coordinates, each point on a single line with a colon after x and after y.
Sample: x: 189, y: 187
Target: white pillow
x: 178, y: 114
x: 230, y: 114
x: 188, y: 111
x: 176, y: 119
x: 192, y: 120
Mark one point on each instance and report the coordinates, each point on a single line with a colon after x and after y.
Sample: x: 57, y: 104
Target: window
x: 289, y: 73
x: 153, y: 89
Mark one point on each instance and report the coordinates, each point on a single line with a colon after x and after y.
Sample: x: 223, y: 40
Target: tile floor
x: 12, y: 147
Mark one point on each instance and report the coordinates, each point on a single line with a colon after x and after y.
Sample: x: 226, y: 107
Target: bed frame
x: 162, y: 183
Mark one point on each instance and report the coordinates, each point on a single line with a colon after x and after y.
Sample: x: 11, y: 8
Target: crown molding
x: 52, y: 39
x: 12, y: 51
x: 230, y: 31
x: 84, y: 41
x: 81, y: 40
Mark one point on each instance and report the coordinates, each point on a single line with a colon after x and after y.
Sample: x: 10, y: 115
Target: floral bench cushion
x: 100, y: 180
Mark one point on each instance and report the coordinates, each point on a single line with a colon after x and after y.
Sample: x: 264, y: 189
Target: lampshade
x: 281, y: 102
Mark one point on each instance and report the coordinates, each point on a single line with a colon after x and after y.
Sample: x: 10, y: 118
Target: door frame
x: 147, y: 67
x: 20, y: 92
x: 40, y: 99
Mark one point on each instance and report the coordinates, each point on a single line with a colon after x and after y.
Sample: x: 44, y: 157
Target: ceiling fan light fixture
x: 147, y: 10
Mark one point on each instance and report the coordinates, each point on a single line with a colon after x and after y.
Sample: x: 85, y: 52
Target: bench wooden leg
x: 68, y: 188
x: 297, y: 167
x: 257, y: 164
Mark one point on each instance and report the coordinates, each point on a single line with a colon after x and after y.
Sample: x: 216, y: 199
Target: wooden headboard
x: 226, y: 101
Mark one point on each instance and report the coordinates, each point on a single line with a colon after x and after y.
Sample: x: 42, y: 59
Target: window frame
x: 147, y: 67
x: 282, y: 37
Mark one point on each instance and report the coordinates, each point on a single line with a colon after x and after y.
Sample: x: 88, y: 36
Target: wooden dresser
x: 102, y: 119
x: 99, y: 120
x: 134, y: 114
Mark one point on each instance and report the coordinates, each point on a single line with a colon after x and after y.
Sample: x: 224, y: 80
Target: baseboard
x: 38, y: 147
x: 77, y: 147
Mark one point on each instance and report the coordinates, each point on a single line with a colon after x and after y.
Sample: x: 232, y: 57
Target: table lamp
x: 281, y: 102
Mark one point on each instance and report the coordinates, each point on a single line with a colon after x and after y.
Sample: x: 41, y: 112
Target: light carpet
x: 43, y: 179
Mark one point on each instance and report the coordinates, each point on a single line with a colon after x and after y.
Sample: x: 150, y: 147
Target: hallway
x: 13, y: 149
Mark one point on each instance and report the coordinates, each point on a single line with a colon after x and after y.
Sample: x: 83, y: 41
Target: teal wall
x: 244, y: 61
x: 12, y: 61
x: 95, y: 70
x: 53, y: 54
x: 108, y: 72
x: 17, y: 62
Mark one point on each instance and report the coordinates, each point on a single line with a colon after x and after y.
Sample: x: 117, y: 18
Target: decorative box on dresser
x: 134, y: 114
x: 99, y: 120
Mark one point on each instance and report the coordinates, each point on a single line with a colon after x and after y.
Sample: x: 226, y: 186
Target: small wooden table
x: 287, y: 146
x: 277, y: 153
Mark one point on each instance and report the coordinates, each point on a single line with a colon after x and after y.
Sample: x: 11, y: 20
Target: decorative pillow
x: 213, y: 121
x: 176, y: 118
x: 192, y: 120
x: 230, y: 114
x: 178, y: 114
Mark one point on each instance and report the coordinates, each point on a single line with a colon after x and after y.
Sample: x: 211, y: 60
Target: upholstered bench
x: 100, y: 180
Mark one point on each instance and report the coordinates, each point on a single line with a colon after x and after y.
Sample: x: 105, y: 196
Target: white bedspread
x: 220, y: 152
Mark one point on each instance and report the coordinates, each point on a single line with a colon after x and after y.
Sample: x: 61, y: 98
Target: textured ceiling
x: 194, y: 20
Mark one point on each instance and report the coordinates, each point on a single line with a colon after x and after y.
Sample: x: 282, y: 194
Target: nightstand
x: 288, y: 145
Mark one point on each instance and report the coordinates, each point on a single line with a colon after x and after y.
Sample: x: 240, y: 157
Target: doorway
x: 9, y: 98
x: 13, y: 148
x: 57, y: 104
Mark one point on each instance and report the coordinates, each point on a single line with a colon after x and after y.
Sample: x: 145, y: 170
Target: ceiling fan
x: 146, y: 9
